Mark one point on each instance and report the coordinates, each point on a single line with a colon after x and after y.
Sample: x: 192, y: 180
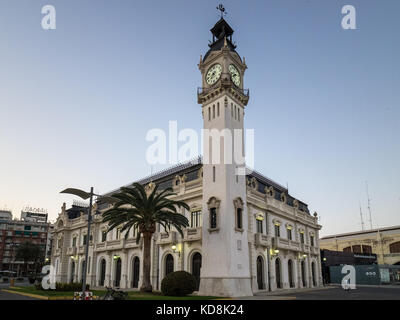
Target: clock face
x: 213, y: 74
x: 235, y: 75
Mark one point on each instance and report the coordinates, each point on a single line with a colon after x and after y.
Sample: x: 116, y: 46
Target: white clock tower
x: 226, y: 263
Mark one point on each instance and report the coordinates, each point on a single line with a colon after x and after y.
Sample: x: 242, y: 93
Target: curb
x: 36, y: 296
x: 31, y: 295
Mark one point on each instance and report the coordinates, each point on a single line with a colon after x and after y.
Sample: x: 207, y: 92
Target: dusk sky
x: 76, y: 102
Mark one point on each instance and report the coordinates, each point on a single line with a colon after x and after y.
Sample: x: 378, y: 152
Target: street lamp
x: 85, y: 195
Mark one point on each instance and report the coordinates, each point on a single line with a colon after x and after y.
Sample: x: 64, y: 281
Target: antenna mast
x: 362, y: 220
x: 369, y: 206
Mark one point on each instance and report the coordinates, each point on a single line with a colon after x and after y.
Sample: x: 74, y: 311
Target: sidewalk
x: 291, y: 291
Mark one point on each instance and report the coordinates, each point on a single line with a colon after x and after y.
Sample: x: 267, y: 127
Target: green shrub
x: 65, y: 287
x: 179, y: 283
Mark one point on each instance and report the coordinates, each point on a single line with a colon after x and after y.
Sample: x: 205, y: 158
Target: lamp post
x: 85, y: 195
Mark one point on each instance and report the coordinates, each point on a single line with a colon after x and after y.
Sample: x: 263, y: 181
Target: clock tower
x: 226, y: 263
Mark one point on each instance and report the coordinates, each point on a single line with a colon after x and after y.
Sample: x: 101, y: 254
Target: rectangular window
x: 312, y: 241
x: 213, y: 218
x: 118, y: 235
x: 195, y: 219
x: 103, y: 236
x: 277, y: 231
x: 259, y: 225
x: 84, y: 239
x: 213, y: 174
x: 301, y: 237
x: 289, y: 234
x: 74, y: 241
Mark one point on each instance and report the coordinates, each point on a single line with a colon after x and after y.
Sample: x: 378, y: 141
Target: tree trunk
x: 146, y: 285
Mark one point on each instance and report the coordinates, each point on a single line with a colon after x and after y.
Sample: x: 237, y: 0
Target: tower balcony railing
x: 167, y: 237
x: 192, y: 234
x: 71, y: 251
x: 201, y: 91
x: 262, y: 240
x: 286, y: 244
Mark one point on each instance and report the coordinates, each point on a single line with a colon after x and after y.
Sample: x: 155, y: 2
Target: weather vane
x: 222, y: 9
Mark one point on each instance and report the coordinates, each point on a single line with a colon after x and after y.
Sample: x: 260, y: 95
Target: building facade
x: 247, y: 234
x: 384, y: 242
x: 15, y: 232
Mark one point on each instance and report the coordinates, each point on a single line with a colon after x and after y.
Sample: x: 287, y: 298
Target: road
x: 11, y: 296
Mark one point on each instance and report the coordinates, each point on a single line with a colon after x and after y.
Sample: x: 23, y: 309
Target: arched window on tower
x: 238, y: 205
x: 213, y: 208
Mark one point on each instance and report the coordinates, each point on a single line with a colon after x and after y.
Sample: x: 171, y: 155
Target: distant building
x: 5, y: 215
x: 384, y: 242
x: 34, y: 216
x: 13, y: 233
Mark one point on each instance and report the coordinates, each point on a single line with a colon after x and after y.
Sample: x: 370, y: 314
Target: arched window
x: 135, y: 272
x: 356, y: 249
x: 395, y: 247
x: 303, y: 273
x: 118, y: 268
x: 290, y: 272
x: 102, y: 272
x: 196, y: 266
x: 213, y: 207
x: 347, y: 249
x: 72, y: 274
x: 260, y: 273
x: 169, y: 264
x: 314, y: 280
x: 278, y: 273
x: 238, y: 205
x: 366, y: 249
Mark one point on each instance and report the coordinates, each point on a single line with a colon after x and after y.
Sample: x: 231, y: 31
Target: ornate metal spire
x: 222, y: 9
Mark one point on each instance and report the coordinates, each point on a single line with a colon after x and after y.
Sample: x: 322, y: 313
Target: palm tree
x: 136, y: 208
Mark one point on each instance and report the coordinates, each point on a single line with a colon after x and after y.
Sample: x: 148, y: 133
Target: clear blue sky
x: 76, y: 102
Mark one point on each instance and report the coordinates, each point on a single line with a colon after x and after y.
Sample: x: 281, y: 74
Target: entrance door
x: 135, y: 272
x: 290, y: 270
x: 313, y: 274
x: 169, y: 264
x: 118, y: 272
x: 102, y: 272
x: 196, y: 266
x: 72, y: 272
x: 260, y: 273
x: 303, y: 274
x: 278, y: 273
